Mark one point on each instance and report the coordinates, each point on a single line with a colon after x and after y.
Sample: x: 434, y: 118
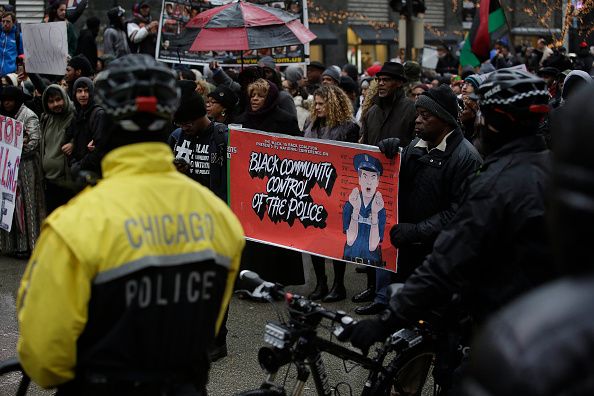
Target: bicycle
x: 296, y: 341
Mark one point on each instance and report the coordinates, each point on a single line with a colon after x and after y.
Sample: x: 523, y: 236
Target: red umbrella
x: 244, y: 26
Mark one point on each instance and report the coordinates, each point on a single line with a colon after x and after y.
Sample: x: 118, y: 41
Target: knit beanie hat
x: 294, y: 73
x: 332, y: 73
x: 441, y: 102
x: 475, y: 80
x: 267, y: 61
x: 190, y: 108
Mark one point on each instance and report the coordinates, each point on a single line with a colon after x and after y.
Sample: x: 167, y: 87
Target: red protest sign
x: 327, y: 198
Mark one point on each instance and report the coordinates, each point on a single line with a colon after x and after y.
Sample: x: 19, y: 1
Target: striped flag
x: 489, y: 25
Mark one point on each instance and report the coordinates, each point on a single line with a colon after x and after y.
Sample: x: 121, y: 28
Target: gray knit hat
x: 332, y: 73
x: 441, y: 102
x: 294, y: 73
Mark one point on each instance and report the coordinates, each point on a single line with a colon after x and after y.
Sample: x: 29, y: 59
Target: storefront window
x: 316, y: 53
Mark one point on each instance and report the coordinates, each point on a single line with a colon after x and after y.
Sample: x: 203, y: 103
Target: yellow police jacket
x: 131, y: 277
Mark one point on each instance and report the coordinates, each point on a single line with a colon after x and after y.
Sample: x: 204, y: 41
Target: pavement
x: 237, y: 372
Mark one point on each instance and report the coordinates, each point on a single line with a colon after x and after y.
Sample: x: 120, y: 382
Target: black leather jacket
x: 496, y: 246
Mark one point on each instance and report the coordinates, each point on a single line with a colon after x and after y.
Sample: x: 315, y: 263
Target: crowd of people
x: 474, y: 144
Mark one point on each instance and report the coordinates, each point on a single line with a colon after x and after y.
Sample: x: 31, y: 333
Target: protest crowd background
x: 65, y: 130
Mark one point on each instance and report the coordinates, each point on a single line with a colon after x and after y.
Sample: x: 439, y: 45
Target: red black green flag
x: 489, y: 25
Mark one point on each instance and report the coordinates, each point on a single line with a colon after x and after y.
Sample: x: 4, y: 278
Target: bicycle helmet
x: 135, y: 86
x: 509, y: 98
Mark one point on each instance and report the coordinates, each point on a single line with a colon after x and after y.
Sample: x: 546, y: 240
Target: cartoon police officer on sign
x: 364, y: 215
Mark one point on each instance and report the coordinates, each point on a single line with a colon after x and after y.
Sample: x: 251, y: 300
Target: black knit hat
x: 225, y: 96
x: 190, y: 108
x: 441, y: 102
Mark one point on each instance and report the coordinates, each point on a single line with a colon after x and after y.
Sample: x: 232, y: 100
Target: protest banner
x: 11, y: 146
x: 46, y: 47
x: 327, y: 198
x: 175, y: 40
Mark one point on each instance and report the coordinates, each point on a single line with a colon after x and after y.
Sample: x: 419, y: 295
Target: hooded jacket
x: 574, y: 78
x: 88, y: 125
x: 115, y: 40
x: 9, y: 50
x: 53, y: 136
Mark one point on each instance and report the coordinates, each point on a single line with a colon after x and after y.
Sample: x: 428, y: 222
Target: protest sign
x: 46, y: 47
x: 11, y: 145
x: 174, y: 39
x: 327, y: 198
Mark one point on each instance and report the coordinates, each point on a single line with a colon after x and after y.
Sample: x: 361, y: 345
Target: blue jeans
x: 383, y: 279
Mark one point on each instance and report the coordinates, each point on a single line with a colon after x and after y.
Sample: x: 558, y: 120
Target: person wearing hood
x: 115, y: 40
x: 264, y: 112
x: 58, y: 113
x: 30, y: 208
x: 142, y: 29
x: 285, y: 100
x: 572, y: 82
x: 87, y: 41
x: 86, y: 131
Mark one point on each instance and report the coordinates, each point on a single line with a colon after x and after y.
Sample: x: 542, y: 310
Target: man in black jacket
x: 496, y: 247
x: 432, y: 172
x: 392, y: 114
x: 541, y: 342
x: 86, y: 133
x: 87, y: 41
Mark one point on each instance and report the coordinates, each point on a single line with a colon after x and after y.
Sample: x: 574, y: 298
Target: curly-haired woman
x: 331, y: 118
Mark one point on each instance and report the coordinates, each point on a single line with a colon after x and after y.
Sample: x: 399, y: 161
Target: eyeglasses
x: 384, y: 80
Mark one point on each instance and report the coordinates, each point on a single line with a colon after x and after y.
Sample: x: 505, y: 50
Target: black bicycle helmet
x: 509, y: 98
x: 135, y: 86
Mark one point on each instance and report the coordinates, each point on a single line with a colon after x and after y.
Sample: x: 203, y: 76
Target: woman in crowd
x: 263, y: 113
x: 221, y: 105
x: 29, y: 209
x: 331, y: 118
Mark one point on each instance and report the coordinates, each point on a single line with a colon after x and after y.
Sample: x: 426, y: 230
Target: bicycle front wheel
x: 414, y: 376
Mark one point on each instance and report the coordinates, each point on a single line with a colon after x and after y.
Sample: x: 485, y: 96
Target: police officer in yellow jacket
x: 129, y: 281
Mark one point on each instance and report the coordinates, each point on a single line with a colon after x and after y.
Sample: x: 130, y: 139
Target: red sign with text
x: 327, y: 198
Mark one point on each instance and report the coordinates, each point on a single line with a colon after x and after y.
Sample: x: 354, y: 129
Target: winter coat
x: 346, y: 132
x: 9, y: 50
x: 496, y: 247
x: 447, y: 65
x: 53, y: 137
x: 87, y: 126
x: 556, y: 320
x: 275, y: 120
x: 87, y: 45
x: 385, y: 119
x: 115, y: 42
x: 429, y: 193
x: 30, y: 204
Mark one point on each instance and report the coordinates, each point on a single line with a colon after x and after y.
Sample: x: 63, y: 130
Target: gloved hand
x: 390, y: 147
x: 403, y: 234
x: 365, y: 333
